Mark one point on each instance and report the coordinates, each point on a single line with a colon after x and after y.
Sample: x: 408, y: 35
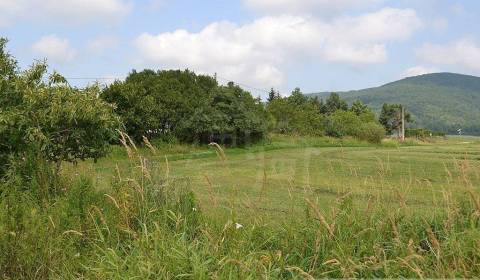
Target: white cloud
x: 54, y: 49
x: 255, y: 53
x: 307, y: 6
x: 64, y: 11
x: 418, y: 70
x: 464, y: 53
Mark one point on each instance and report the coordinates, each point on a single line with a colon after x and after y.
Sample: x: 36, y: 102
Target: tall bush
x: 193, y: 108
x: 44, y: 115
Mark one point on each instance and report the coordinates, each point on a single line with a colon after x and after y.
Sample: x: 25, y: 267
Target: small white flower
x: 194, y: 209
x: 238, y: 226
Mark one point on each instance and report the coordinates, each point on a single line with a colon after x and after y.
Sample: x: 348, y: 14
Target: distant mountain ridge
x: 439, y: 101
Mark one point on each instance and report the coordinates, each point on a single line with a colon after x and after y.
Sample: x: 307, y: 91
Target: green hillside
x: 439, y: 101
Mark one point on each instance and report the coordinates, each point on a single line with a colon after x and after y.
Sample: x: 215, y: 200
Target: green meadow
x: 287, y: 208
x: 274, y: 178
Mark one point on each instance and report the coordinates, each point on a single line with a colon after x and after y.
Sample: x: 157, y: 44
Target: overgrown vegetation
x: 47, y: 117
x: 186, y: 106
x: 298, y: 114
x: 146, y: 221
x: 196, y: 109
x: 149, y: 225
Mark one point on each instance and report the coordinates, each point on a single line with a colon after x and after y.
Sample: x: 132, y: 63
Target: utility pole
x: 403, y: 123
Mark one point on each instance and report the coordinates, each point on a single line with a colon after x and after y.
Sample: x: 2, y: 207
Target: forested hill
x: 439, y: 101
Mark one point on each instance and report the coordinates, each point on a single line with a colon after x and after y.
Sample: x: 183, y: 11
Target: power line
x: 243, y: 85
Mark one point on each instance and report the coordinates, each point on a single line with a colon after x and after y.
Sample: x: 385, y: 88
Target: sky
x: 317, y: 45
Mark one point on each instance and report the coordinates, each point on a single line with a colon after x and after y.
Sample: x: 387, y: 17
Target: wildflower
x: 238, y: 226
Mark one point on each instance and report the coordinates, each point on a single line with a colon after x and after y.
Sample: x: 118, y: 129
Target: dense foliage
x: 189, y: 107
x: 391, y: 118
x: 442, y: 102
x: 45, y: 116
x: 298, y: 114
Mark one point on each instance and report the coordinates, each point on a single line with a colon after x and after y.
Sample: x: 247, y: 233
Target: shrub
x: 371, y: 132
x: 342, y: 123
x: 295, y: 115
x: 362, y: 127
x: 45, y: 115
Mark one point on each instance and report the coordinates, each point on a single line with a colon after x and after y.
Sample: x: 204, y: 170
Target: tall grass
x: 148, y: 225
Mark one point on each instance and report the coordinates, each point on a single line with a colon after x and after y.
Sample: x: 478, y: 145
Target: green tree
x: 153, y: 103
x: 297, y: 98
x: 230, y: 116
x: 296, y: 115
x: 335, y: 103
x: 359, y: 108
x: 272, y: 95
x: 48, y: 117
x: 391, y: 117
x: 187, y: 106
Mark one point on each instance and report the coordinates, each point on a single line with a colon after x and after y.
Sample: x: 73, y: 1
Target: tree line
x: 42, y: 115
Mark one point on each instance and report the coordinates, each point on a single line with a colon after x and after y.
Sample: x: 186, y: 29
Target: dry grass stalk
x: 211, y: 192
x: 149, y: 145
x: 51, y: 221
x: 304, y: 274
x: 167, y: 168
x: 449, y: 174
x: 401, y: 198
x: 72, y: 232
x: 395, y: 229
x: 476, y: 202
x: 100, y: 214
x: 264, y: 185
x: 321, y: 218
x: 131, y: 142
x: 452, y: 211
x: 219, y: 151
x: 124, y: 143
x: 113, y: 200
x: 369, y: 205
x: 144, y: 169
x: 117, y: 169
x: 138, y: 188
x: 434, y: 241
x: 463, y: 167
x: 413, y: 268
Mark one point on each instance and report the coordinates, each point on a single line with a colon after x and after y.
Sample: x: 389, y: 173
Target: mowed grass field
x: 273, y: 180
x: 287, y: 208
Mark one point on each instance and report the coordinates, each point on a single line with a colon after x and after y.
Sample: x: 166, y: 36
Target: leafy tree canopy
x: 42, y: 113
x: 187, y: 106
x: 335, y: 103
x: 391, y: 117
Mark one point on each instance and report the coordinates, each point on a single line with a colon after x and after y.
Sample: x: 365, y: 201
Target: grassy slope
x: 442, y: 101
